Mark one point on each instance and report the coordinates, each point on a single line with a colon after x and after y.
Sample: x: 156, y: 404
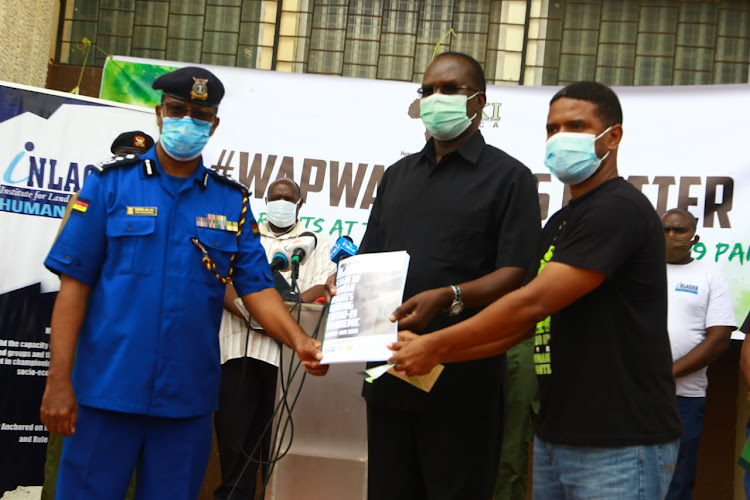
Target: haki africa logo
x: 491, y: 112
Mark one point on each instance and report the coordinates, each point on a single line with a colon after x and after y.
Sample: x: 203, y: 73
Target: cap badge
x: 200, y: 89
x: 139, y: 142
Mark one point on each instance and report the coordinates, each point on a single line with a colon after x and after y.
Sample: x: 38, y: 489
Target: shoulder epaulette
x: 118, y: 161
x: 224, y: 180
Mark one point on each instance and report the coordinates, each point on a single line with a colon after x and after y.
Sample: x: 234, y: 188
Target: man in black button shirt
x: 608, y: 425
x: 468, y: 215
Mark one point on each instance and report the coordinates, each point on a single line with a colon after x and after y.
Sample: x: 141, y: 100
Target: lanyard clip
x: 200, y: 246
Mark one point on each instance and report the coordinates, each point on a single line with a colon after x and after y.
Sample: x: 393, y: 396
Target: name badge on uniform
x: 213, y: 221
x: 147, y: 211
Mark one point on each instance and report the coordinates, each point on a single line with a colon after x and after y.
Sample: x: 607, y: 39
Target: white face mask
x: 281, y: 213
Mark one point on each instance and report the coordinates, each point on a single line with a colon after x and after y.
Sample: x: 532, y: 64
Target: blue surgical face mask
x: 571, y: 156
x: 183, y: 139
x: 444, y: 115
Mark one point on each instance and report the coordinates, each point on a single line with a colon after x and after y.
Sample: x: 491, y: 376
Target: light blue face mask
x: 444, y: 116
x: 183, y: 139
x: 571, y: 156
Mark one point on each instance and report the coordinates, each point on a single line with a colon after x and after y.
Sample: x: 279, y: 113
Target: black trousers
x: 435, y: 456
x: 246, y: 402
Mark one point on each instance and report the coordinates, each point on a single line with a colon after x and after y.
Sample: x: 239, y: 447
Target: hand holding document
x: 260, y: 345
x: 369, y: 288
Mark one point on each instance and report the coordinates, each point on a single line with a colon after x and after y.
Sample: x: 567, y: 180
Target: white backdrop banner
x: 683, y: 146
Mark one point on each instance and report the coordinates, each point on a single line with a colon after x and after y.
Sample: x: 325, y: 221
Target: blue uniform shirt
x: 149, y: 343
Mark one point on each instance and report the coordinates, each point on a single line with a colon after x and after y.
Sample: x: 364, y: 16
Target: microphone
x: 343, y: 249
x: 301, y: 247
x: 280, y: 260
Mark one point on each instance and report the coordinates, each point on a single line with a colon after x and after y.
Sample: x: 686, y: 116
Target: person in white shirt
x: 250, y: 360
x: 700, y: 320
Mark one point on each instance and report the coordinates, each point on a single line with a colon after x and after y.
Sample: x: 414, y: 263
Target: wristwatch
x: 457, y: 307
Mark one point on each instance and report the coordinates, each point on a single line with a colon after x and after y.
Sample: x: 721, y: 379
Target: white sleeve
x: 720, y: 311
x: 321, y: 261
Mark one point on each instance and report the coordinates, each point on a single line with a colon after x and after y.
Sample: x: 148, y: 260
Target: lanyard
x: 209, y: 262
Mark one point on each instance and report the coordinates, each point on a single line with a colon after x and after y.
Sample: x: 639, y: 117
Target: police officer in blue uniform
x: 143, y: 262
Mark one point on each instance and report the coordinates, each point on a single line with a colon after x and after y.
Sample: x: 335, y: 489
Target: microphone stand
x: 293, y: 295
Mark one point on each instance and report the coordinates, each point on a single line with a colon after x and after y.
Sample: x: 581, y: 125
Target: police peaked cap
x: 135, y: 140
x: 191, y: 84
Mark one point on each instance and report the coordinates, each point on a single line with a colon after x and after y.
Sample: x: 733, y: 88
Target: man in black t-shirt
x: 608, y: 425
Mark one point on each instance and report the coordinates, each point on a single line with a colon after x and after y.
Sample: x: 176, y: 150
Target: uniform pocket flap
x: 130, y: 226
x: 217, y: 239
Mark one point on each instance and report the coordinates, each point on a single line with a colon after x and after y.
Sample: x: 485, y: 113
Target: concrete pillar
x: 26, y: 31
